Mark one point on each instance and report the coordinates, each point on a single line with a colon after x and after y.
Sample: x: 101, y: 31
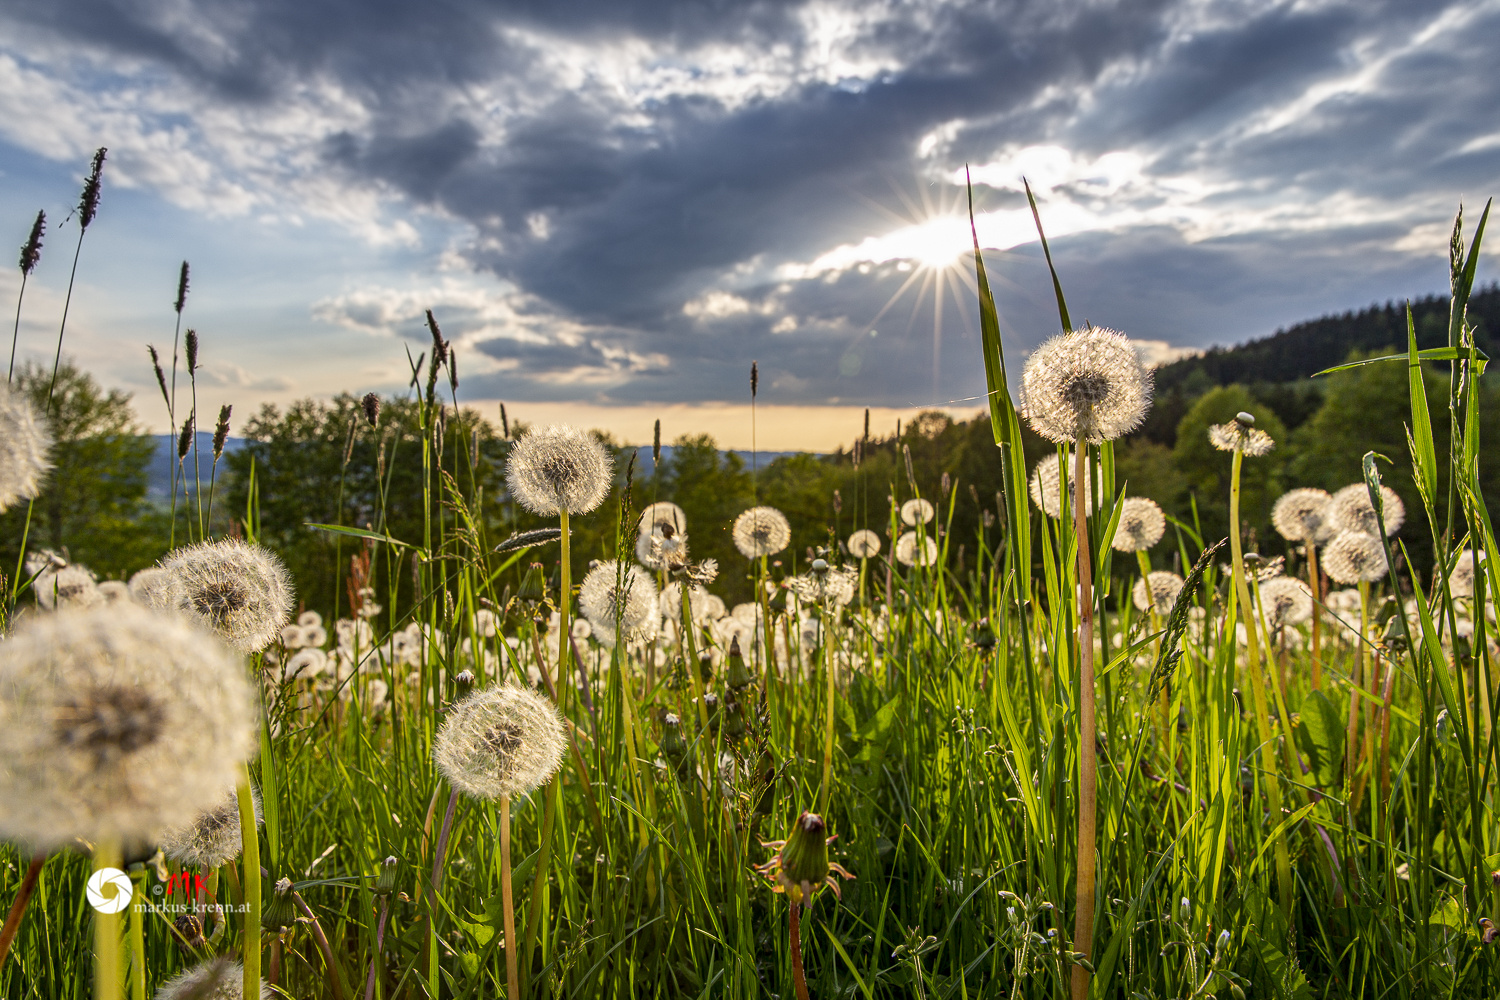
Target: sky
x: 614, y: 206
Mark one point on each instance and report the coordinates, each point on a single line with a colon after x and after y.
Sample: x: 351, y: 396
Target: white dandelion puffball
x: 864, y: 544
x: 1235, y: 435
x: 111, y: 591
x: 1165, y: 586
x: 216, y: 979
x: 305, y: 664
x: 834, y: 586
x: 761, y: 531
x: 154, y: 587
x: 698, y: 603
x: 72, y: 586
x: 1088, y: 385
x: 558, y: 468
x: 1141, y: 525
x: 917, y: 511
x: 310, y: 619
x: 662, y: 515
x: 658, y: 550
x: 1302, y: 515
x: 1286, y: 601
x: 620, y: 601
x: 1351, y: 510
x: 1355, y: 557
x: 1047, y: 483
x: 24, y: 444
x: 242, y: 592
x: 498, y: 741
x: 1461, y: 579
x: 913, y: 549
x: 213, y: 838
x: 115, y: 721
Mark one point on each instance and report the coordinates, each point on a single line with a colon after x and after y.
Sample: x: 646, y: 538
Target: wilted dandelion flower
x: 498, y: 741
x: 662, y: 514
x: 1046, y: 487
x: 154, y: 587
x: 1461, y: 580
x: 662, y: 548
x: 1240, y: 434
x: 213, y: 838
x: 916, y: 511
x: 556, y: 469
x: 616, y: 602
x: 913, y: 549
x: 1301, y: 515
x: 71, y: 586
x: 216, y: 979
x: 761, y: 531
x: 1286, y: 601
x: 1088, y: 385
x: 240, y: 591
x: 1351, y: 510
x: 1141, y: 525
x: 864, y: 544
x: 24, y: 444
x: 1354, y: 557
x: 1165, y: 586
x: 116, y: 722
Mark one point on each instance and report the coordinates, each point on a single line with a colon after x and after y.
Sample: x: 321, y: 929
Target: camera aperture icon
x: 109, y: 890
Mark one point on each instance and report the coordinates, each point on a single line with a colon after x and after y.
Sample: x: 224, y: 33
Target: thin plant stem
x: 107, y: 931
x: 16, y: 333
x: 799, y: 978
x: 1083, y: 923
x: 385, y: 912
x: 18, y: 905
x: 137, y: 941
x: 250, y: 837
x: 564, y: 604
x: 507, y: 903
x: 539, y: 883
x: 1314, y: 582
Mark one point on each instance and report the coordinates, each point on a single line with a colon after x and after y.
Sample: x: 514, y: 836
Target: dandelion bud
x: 371, y: 404
x: 189, y: 930
x: 464, y: 680
x: 820, y: 566
x: 182, y: 289
x: 88, y: 202
x: 1488, y: 931
x: 385, y: 882
x: 1185, y: 909
x: 805, y: 856
x: 280, y: 912
x: 533, y: 586
x: 1245, y: 419
x: 31, y: 251
x: 221, y: 430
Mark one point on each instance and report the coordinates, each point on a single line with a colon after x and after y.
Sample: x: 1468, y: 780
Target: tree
x: 93, y: 506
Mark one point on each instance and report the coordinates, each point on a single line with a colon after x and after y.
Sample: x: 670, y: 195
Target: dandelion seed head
x: 558, y: 468
x: 1286, y: 601
x: 1301, y: 515
x: 916, y: 511
x: 665, y: 549
x: 154, y: 588
x: 1088, y: 385
x: 833, y: 587
x: 1141, y: 526
x: 305, y: 664
x: 1165, y: 586
x: 500, y: 740
x: 661, y: 515
x: 1461, y: 579
x: 70, y: 586
x: 1236, y: 435
x: 699, y: 605
x: 761, y: 531
x: 913, y: 549
x: 111, y: 591
x: 216, y: 979
x: 213, y: 838
x: 242, y: 592
x: 1354, y: 557
x: 1351, y: 510
x: 864, y: 544
x: 1046, y: 487
x: 619, y: 602
x: 115, y: 721
x: 25, y: 443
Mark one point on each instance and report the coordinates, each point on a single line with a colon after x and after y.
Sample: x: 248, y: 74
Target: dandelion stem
x: 18, y: 905
x: 799, y: 979
x: 1317, y: 596
x: 107, y: 931
x: 507, y: 901
x: 250, y: 947
x: 385, y: 912
x: 1083, y: 923
x: 137, y: 941
x: 539, y: 884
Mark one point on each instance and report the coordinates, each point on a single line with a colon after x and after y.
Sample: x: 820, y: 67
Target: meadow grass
x: 1329, y: 839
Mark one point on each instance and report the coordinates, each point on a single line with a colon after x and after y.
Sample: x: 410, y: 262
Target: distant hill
x: 1277, y: 368
x: 159, y: 472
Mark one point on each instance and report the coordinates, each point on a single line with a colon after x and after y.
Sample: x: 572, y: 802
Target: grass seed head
x: 1088, y: 385
x: 556, y: 469
x: 240, y: 591
x: 31, y: 250
x: 502, y: 740
x: 115, y: 721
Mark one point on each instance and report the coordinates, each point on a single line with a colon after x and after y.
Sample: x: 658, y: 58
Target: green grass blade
x: 1423, y: 454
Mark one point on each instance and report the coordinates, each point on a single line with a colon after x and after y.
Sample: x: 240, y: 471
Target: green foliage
x: 1205, y: 469
x: 93, y: 505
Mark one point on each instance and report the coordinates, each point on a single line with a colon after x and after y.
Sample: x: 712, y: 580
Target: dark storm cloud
x: 618, y: 211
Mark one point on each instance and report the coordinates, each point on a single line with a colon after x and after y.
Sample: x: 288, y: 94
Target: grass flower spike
x: 558, y: 469
x: 24, y: 445
x: 761, y: 531
x: 1088, y: 385
x: 240, y: 591
x: 116, y: 723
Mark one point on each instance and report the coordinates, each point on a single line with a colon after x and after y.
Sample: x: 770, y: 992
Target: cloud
x: 653, y: 194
